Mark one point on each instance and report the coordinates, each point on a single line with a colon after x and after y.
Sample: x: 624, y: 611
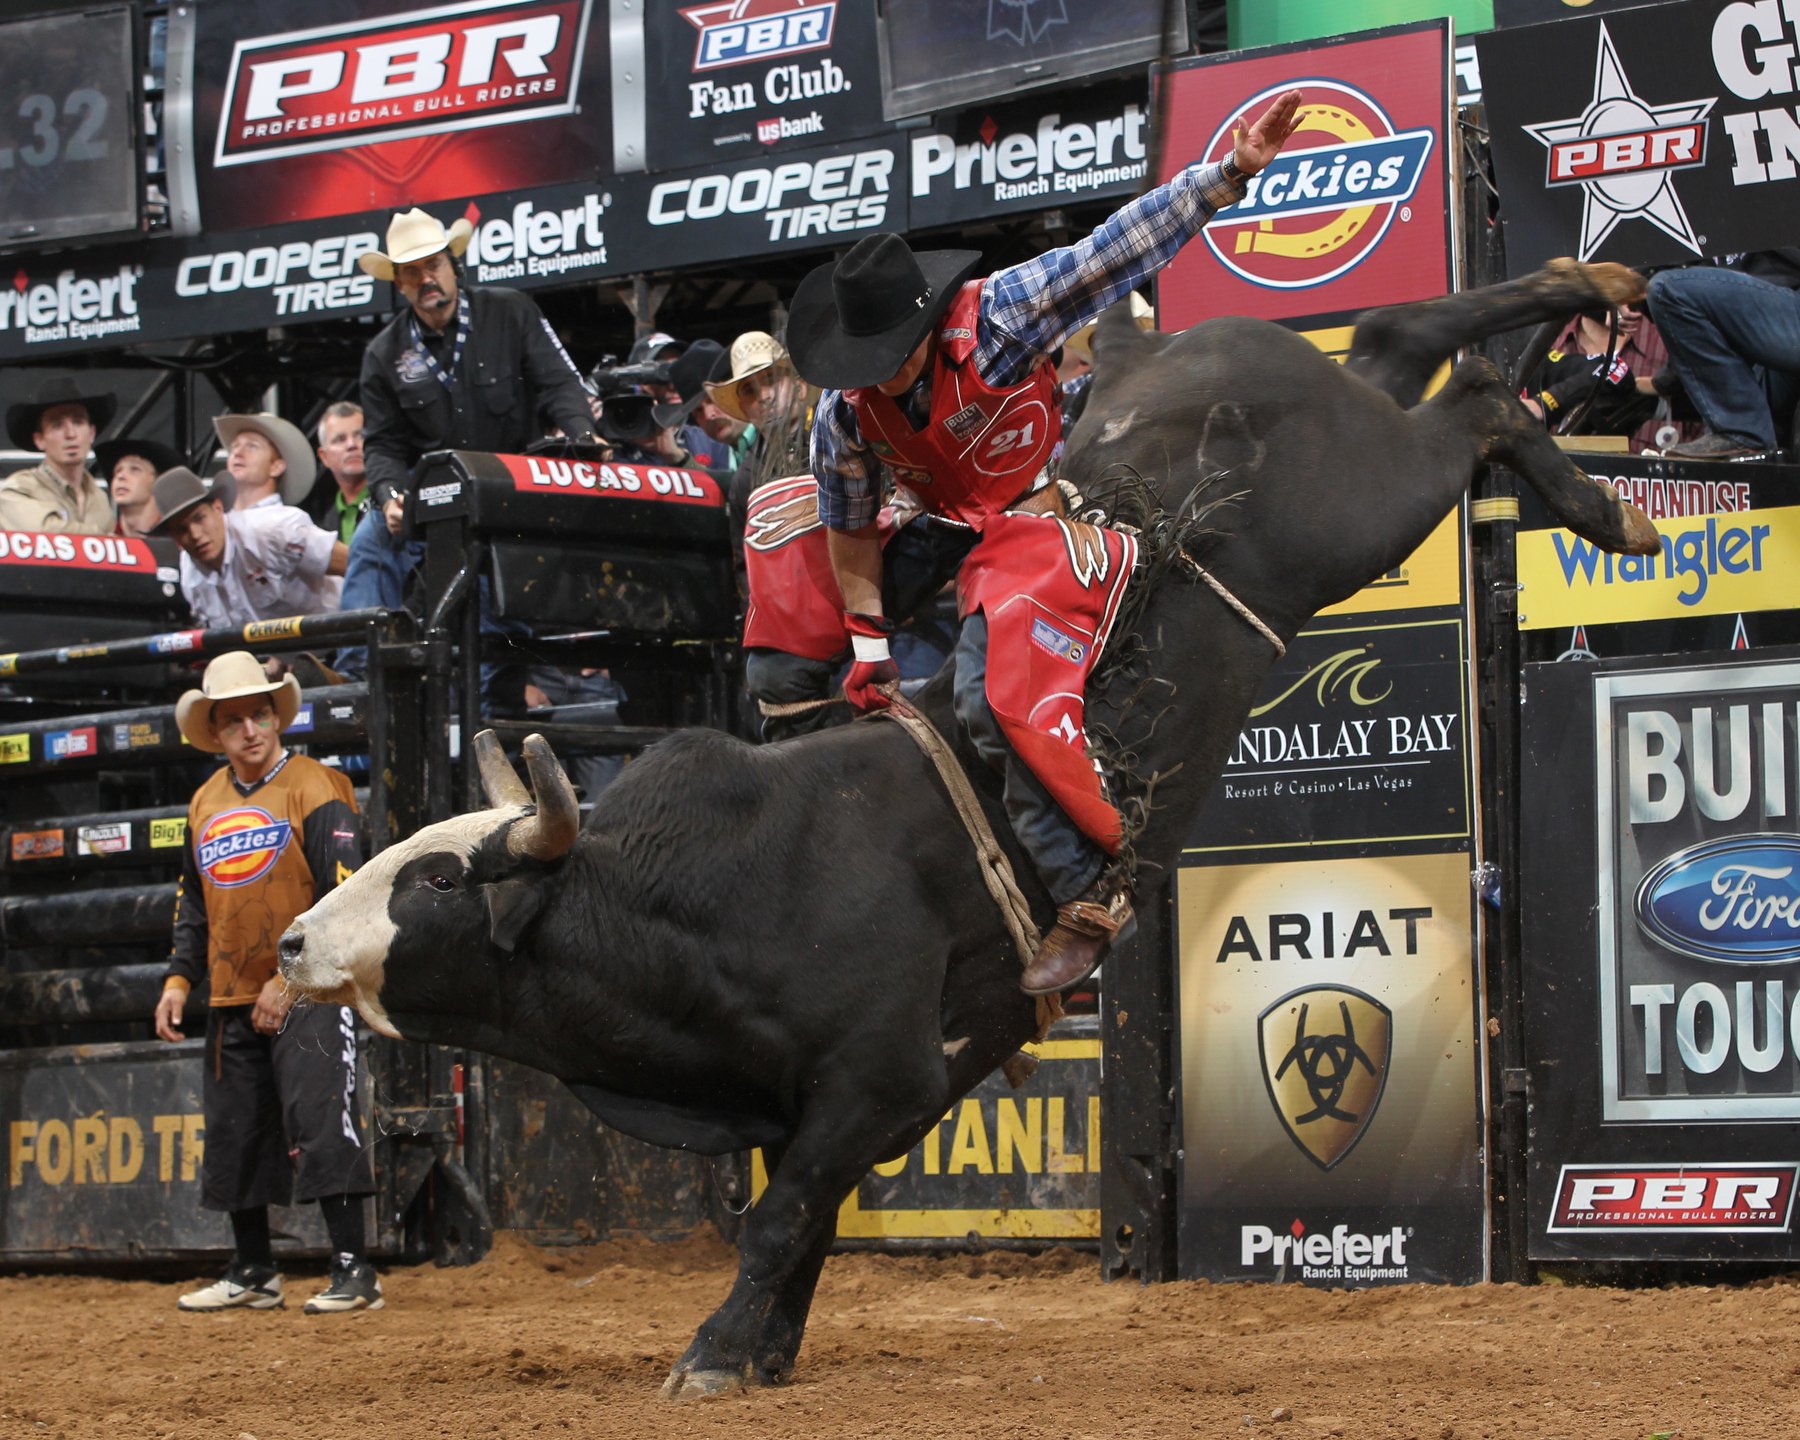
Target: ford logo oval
x: 1735, y: 899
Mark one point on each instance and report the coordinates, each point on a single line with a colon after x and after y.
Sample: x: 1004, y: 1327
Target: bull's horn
x: 499, y: 781
x: 550, y: 833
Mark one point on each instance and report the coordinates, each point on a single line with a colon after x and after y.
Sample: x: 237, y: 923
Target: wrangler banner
x: 1330, y: 1113
x: 1662, y: 956
x: 1650, y: 136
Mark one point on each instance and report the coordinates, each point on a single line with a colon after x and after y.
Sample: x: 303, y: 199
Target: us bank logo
x: 1325, y: 1053
x: 1623, y: 152
x: 1322, y: 206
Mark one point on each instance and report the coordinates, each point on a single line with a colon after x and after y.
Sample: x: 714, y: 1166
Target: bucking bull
x: 790, y: 946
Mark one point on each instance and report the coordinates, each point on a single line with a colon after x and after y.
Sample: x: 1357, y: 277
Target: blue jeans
x: 375, y: 576
x: 1735, y: 341
x: 1065, y: 859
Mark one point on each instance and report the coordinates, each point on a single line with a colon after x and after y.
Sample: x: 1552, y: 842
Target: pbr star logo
x: 1624, y: 153
x: 1322, y: 206
x: 1325, y: 1052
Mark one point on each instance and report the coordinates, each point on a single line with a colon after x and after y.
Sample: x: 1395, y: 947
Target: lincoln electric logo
x: 1322, y: 206
x: 1325, y: 1052
x: 1733, y: 899
x: 453, y: 67
x: 1624, y: 153
x: 241, y: 845
x: 739, y: 32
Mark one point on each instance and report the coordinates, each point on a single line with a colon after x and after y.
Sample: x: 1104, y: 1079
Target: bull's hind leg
x: 1399, y: 348
x: 1475, y: 408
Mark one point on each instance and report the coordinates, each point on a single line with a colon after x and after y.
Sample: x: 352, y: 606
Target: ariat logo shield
x: 1325, y: 1052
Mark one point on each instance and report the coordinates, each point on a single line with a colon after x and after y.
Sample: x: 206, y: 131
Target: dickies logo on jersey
x: 241, y: 845
x: 740, y: 32
x: 422, y: 72
x: 1322, y: 206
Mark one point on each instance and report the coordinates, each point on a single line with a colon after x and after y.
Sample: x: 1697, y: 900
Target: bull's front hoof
x: 1640, y: 535
x: 685, y: 1384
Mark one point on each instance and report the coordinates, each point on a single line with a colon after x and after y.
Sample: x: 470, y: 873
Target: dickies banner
x: 1662, y: 953
x: 1648, y: 136
x: 1355, y: 210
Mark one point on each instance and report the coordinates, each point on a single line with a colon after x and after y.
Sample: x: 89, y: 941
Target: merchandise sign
x: 1360, y: 736
x: 1329, y: 1058
x: 1661, y: 950
x: 730, y: 78
x: 1651, y: 136
x: 1355, y: 210
x: 377, y: 105
x: 1053, y: 150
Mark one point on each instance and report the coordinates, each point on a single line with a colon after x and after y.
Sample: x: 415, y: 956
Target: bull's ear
x: 511, y: 905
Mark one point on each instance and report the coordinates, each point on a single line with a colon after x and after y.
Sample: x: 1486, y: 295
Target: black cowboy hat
x: 25, y: 420
x: 108, y: 453
x: 854, y: 323
x: 689, y: 375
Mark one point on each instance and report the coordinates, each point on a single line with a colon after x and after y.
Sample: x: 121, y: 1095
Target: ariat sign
x: 72, y: 306
x: 1699, y: 901
x: 452, y: 67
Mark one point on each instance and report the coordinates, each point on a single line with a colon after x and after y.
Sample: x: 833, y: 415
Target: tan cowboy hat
x: 235, y: 673
x: 1082, y: 341
x: 753, y: 353
x: 302, y: 465
x: 412, y: 236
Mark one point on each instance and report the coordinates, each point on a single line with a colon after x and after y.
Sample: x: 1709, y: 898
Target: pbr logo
x: 241, y: 845
x: 1322, y: 206
x: 453, y: 67
x: 1624, y: 153
x: 741, y: 32
x: 1673, y: 1198
x: 1325, y: 1052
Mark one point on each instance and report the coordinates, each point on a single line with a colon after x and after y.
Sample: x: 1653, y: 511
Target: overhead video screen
x: 68, y: 127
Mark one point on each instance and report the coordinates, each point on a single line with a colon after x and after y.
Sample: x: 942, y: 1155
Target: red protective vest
x: 982, y: 447
x: 794, y: 601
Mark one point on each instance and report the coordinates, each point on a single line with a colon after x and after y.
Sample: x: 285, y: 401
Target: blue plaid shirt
x: 1026, y: 311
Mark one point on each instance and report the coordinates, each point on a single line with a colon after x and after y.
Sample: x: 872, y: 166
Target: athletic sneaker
x: 353, y: 1287
x: 249, y: 1287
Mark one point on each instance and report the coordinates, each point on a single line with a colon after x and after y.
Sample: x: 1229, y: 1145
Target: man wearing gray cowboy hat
x: 58, y: 493
x: 269, y: 459
x: 269, y: 835
x: 946, y: 384
x: 238, y: 565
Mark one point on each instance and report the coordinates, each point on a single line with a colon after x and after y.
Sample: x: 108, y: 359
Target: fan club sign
x: 1355, y: 210
x: 1649, y: 136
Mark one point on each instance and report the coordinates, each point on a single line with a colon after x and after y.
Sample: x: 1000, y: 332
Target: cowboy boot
x: 1077, y: 943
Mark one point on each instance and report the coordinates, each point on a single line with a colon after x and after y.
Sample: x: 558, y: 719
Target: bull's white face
x: 339, y: 951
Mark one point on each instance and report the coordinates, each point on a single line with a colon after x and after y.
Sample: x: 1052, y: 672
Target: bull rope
x: 996, y: 869
x: 1217, y: 586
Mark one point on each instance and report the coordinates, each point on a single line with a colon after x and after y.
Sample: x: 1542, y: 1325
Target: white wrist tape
x: 871, y: 649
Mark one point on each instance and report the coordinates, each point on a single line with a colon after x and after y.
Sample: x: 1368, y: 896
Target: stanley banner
x: 1330, y: 1117
x: 1662, y: 952
x: 1652, y: 136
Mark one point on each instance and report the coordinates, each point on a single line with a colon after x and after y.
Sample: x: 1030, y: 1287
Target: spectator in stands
x: 268, y: 458
x: 630, y: 424
x: 269, y: 835
x: 688, y: 375
x: 1733, y: 333
x: 130, y: 467
x: 59, y: 493
x: 1625, y: 399
x: 260, y: 563
x: 337, y: 508
x: 761, y: 390
x: 735, y: 433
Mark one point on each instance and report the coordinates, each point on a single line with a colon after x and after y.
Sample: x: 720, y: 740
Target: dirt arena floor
x: 551, y: 1342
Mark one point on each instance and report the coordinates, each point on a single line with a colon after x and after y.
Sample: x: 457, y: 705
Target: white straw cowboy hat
x: 755, y: 352
x: 412, y: 236
x: 235, y: 673
x: 302, y: 466
x: 1082, y: 341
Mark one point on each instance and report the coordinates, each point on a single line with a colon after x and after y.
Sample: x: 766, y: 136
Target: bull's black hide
x: 791, y: 945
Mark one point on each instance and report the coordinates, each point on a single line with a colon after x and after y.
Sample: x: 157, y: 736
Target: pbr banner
x: 1650, y: 136
x: 344, y: 106
x: 1353, y: 213
x: 1330, y: 1114
x: 1056, y: 149
x: 1662, y: 955
x: 725, y: 79
x: 1360, y: 738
